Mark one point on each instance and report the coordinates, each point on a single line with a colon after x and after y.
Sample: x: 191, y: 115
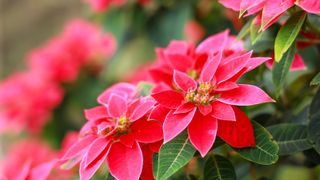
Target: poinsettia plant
x: 160, y: 90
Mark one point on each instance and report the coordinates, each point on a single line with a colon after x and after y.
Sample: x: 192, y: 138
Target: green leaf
x: 245, y: 30
x: 281, y: 69
x: 316, y: 80
x: 155, y: 163
x: 218, y: 168
x: 314, y: 124
x: 287, y: 34
x: 254, y: 31
x: 174, y: 155
x: 144, y: 88
x: 266, y: 150
x: 291, y: 138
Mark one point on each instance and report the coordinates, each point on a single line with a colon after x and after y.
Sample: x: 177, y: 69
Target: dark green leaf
x: 266, y: 150
x: 245, y: 30
x: 316, y: 80
x: 218, y: 168
x: 254, y: 31
x: 174, y: 155
x: 154, y: 163
x: 281, y: 69
x: 288, y: 34
x: 291, y: 138
x: 314, y: 124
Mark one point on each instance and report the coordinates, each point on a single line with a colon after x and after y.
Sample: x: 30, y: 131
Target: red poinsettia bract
x: 115, y: 132
x: 270, y: 10
x: 202, y: 95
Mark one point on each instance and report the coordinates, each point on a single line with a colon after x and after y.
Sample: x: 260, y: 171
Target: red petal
x: 202, y: 132
x: 96, y: 113
x: 245, y: 95
x: 238, y: 134
x: 311, y: 6
x: 226, y: 86
x: 78, y: 147
x: 232, y: 67
x: 256, y: 61
x: 179, y: 62
x: 298, y: 63
x: 183, y: 81
x: 128, y: 140
x: 210, y: 68
x: 42, y: 171
x: 159, y: 113
x: 124, y: 162
x: 222, y: 111
x: 147, y: 131
x: 176, y: 123
x: 147, y: 173
x: 117, y: 105
x: 272, y: 10
x: 169, y: 99
x: 232, y: 4
x: 213, y: 43
x: 159, y: 75
x: 95, y: 150
x: 86, y: 172
x: 123, y: 89
x: 184, y: 108
x: 155, y: 147
x: 142, y: 109
x: 205, y: 109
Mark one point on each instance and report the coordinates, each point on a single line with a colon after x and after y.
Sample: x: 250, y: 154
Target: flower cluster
x: 104, y: 5
x: 118, y: 131
x: 33, y: 159
x: 194, y: 88
x: 27, y: 98
x: 269, y: 11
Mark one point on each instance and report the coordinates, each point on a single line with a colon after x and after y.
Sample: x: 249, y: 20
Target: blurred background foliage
x: 27, y: 24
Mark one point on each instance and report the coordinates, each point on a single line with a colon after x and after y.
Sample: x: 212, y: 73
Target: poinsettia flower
x: 33, y: 159
x: 270, y: 10
x: 80, y: 43
x: 200, y: 100
x: 115, y: 132
x: 183, y: 56
x: 26, y: 102
x: 297, y: 64
x: 103, y: 5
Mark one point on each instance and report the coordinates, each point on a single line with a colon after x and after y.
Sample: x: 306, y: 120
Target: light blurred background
x: 26, y: 24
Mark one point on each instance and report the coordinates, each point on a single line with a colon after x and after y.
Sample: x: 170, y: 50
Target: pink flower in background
x: 193, y: 31
x: 202, y: 92
x: 30, y: 159
x: 26, y: 101
x: 270, y: 10
x: 103, y: 5
x: 80, y: 44
x: 297, y: 64
x: 115, y: 132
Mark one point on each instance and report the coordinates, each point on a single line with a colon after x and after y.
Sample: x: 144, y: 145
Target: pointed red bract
x: 222, y: 111
x: 169, y: 99
x: 183, y: 81
x: 238, y: 134
x: 116, y: 106
x: 147, y: 132
x: 124, y: 162
x: 202, y: 132
x: 174, y: 124
x: 96, y: 113
x: 245, y: 95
